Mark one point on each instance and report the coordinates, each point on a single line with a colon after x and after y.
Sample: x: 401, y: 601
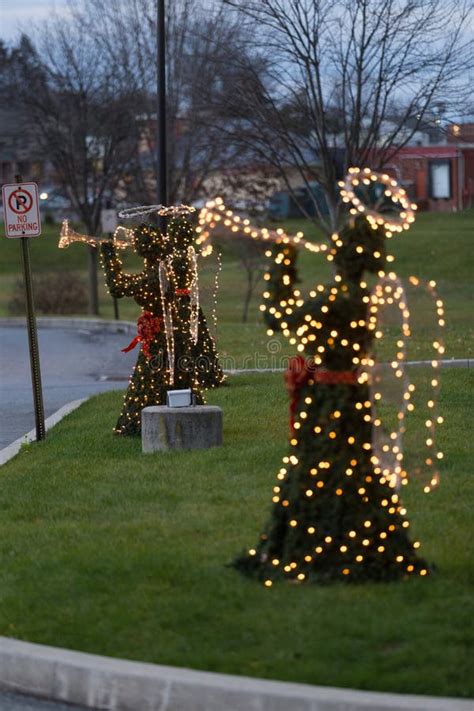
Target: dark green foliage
x: 194, y: 365
x: 283, y: 277
x: 335, y: 516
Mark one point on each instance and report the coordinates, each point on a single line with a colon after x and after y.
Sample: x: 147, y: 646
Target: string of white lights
x: 358, y: 178
x: 215, y: 214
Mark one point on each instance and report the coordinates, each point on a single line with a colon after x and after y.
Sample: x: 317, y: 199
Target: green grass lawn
x: 108, y: 551
x: 439, y: 246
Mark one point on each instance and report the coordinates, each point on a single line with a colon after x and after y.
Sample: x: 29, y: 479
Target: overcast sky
x: 16, y: 15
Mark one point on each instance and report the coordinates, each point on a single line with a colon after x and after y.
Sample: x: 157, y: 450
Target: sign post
x: 22, y: 220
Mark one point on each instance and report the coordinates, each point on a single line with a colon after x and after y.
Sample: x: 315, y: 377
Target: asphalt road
x: 17, y: 702
x: 72, y: 365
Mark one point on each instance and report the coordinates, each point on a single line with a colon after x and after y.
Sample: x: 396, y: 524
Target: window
x: 440, y: 179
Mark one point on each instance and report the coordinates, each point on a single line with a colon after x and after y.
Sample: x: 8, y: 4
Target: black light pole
x: 92, y: 264
x: 161, y: 174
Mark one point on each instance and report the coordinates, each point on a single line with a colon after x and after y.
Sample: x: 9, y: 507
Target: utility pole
x: 92, y: 264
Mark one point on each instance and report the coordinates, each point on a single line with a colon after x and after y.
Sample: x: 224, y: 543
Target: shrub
x: 54, y: 293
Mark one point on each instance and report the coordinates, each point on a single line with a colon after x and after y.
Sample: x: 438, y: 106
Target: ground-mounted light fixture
x: 179, y: 398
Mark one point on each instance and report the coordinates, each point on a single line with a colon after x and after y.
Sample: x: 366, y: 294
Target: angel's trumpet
x: 122, y: 238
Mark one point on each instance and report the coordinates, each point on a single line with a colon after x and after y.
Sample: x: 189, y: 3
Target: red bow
x: 300, y: 371
x: 182, y: 292
x: 335, y: 377
x: 295, y: 377
x: 148, y: 326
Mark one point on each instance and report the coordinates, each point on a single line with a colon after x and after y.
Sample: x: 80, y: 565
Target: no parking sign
x: 22, y: 219
x: 21, y: 210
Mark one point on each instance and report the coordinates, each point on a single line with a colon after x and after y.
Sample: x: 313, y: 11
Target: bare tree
x: 251, y: 254
x: 245, y: 188
x: 347, y: 82
x: 89, y: 86
x: 81, y: 119
x: 199, y: 42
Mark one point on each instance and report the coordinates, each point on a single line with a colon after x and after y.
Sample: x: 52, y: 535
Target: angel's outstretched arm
x: 280, y: 295
x: 119, y: 283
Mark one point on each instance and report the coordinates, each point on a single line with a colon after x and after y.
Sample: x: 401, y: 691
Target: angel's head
x: 149, y: 242
x: 180, y: 232
x: 358, y: 248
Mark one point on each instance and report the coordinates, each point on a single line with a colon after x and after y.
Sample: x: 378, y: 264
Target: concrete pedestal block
x: 169, y: 428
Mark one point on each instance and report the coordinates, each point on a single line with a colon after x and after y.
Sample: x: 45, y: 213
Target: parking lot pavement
x: 17, y: 702
x: 72, y: 365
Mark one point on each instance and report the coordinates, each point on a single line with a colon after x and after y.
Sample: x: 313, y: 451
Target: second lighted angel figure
x: 337, y: 514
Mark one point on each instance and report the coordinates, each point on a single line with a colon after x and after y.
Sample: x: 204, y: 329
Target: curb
x: 453, y: 363
x: 98, y: 682
x: 97, y: 324
x: 448, y: 363
x: 86, y: 324
x: 11, y: 450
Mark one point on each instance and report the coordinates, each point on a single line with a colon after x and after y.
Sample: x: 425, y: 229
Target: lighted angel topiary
x: 337, y: 514
x: 177, y: 350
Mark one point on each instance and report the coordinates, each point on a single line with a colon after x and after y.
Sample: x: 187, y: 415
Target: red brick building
x: 439, y: 177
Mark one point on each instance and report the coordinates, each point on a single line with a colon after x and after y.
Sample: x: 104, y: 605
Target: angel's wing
x: 194, y: 293
x: 403, y: 393
x: 389, y: 384
x: 164, y: 268
x: 425, y: 353
x: 209, y: 266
